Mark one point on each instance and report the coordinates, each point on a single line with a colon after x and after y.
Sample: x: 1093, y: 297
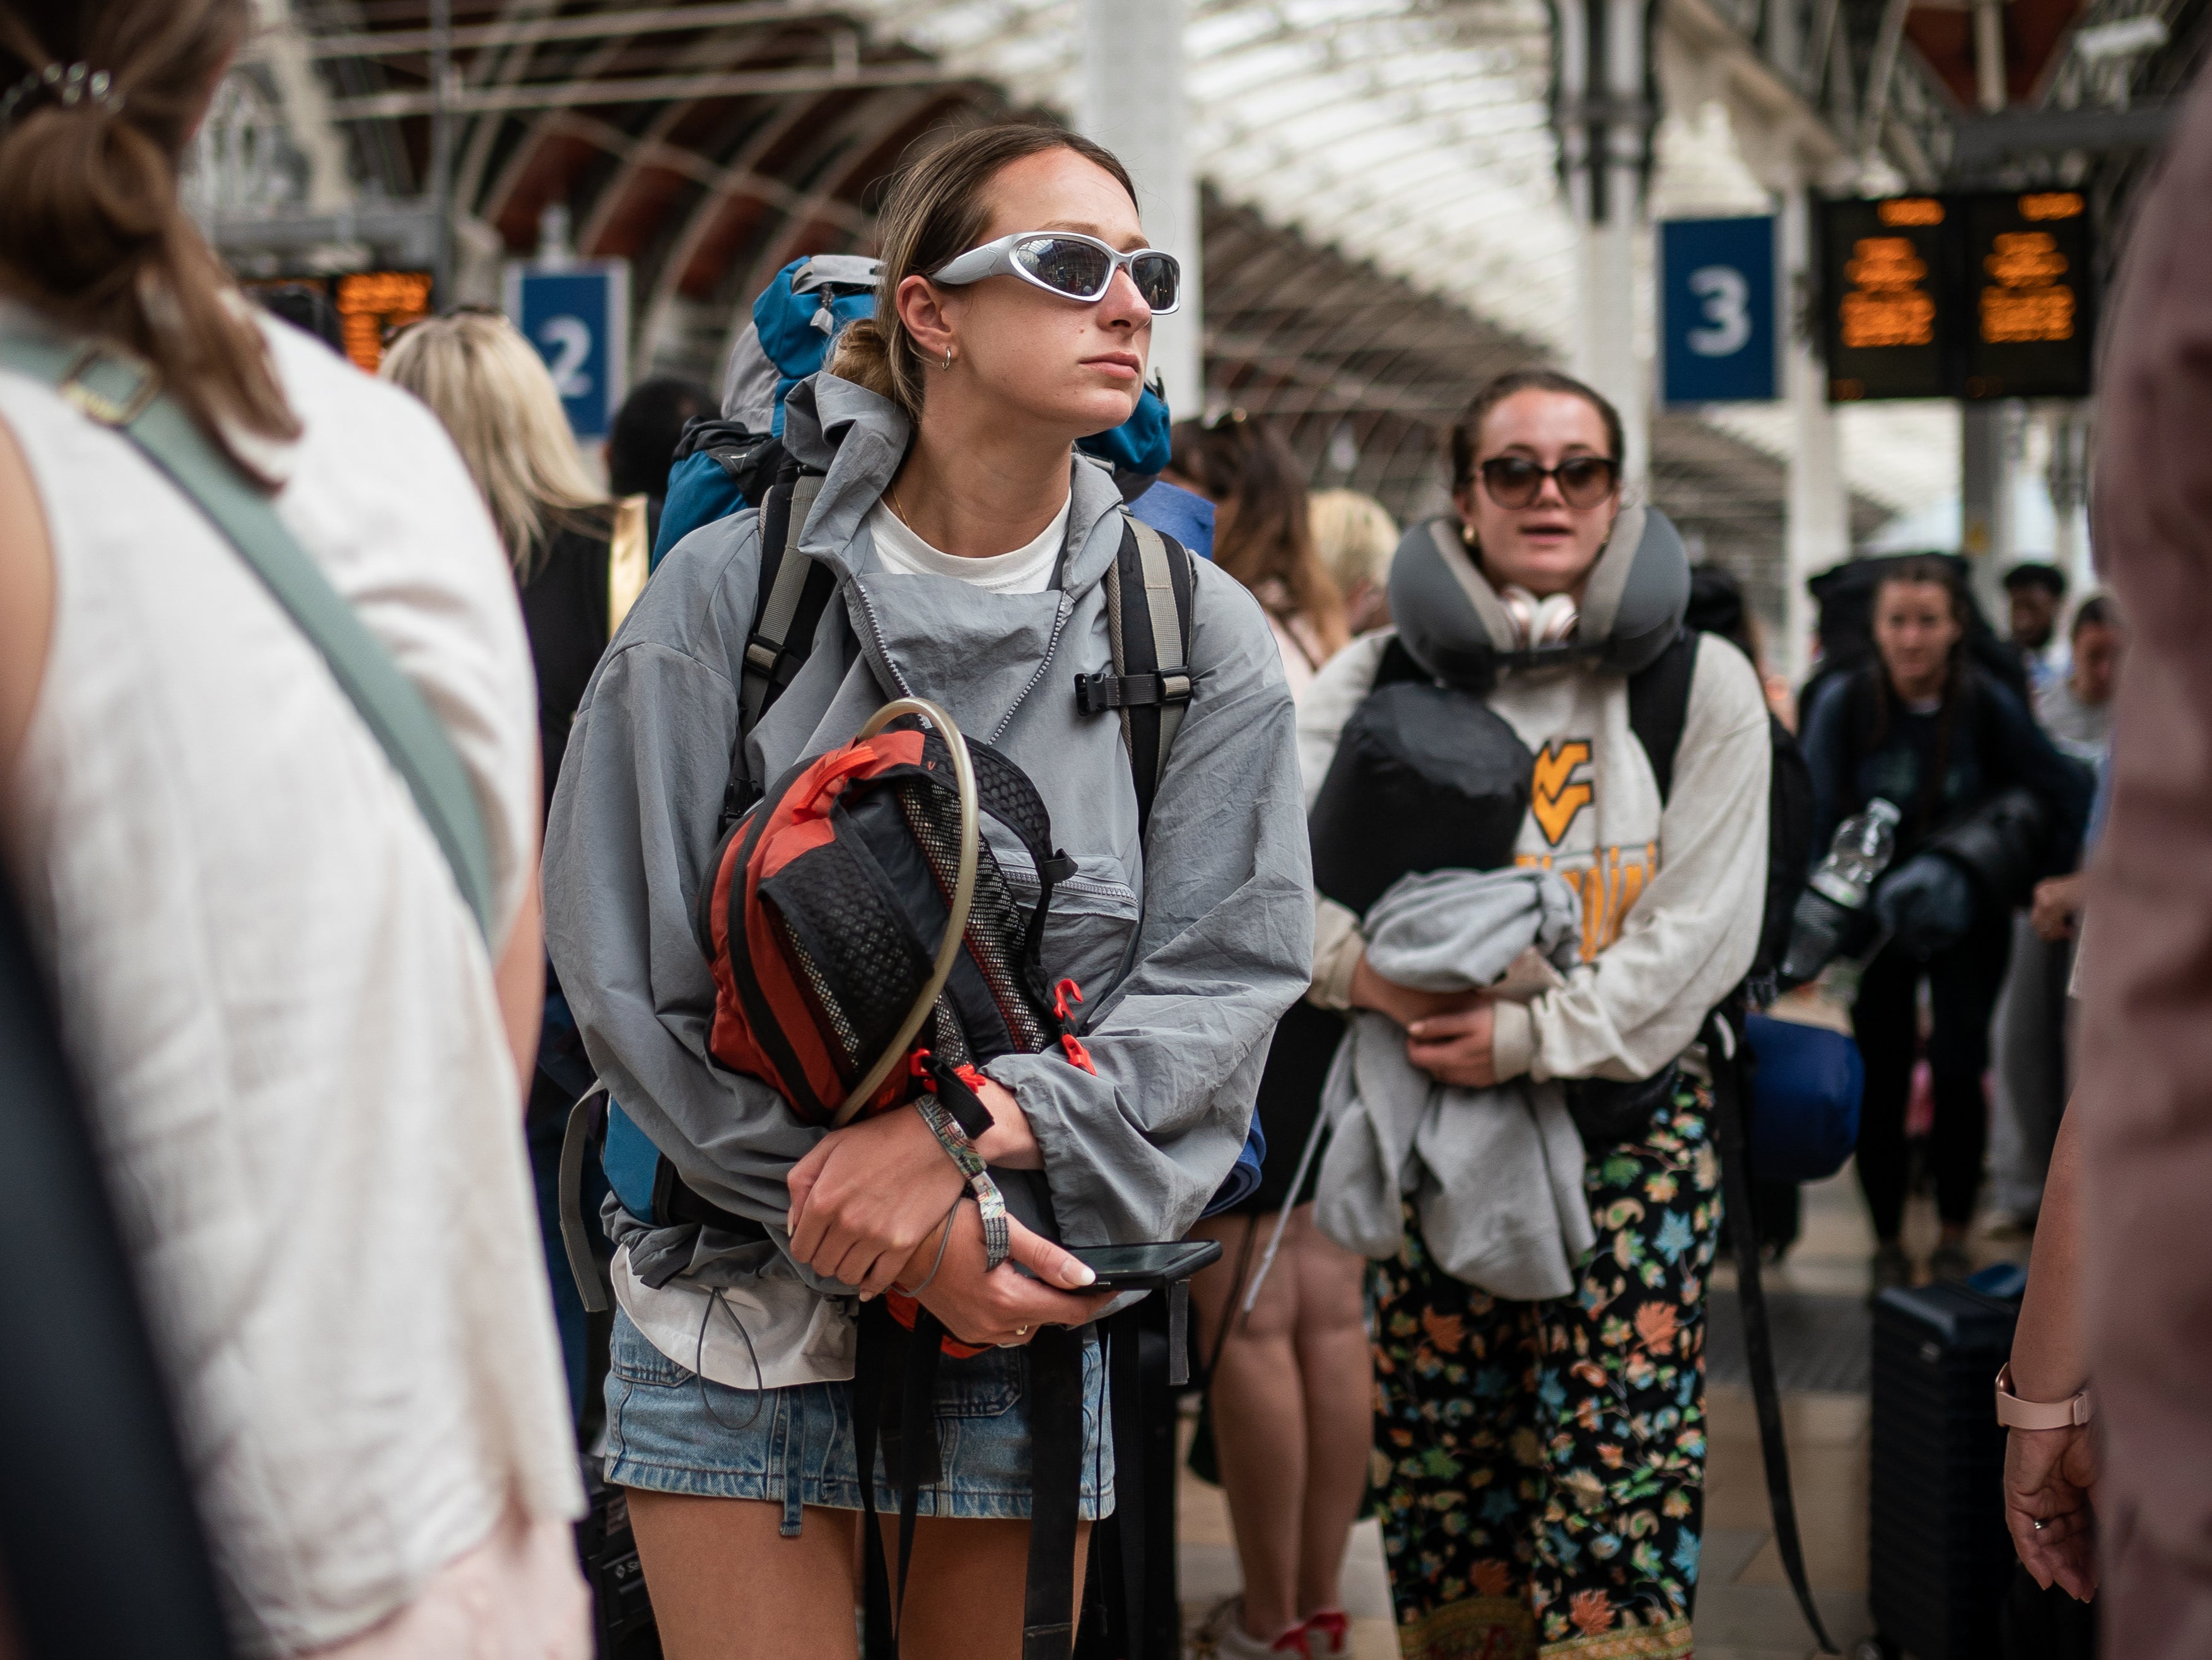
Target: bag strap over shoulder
x: 794, y: 590
x: 1148, y: 621
x: 1659, y: 706
x: 1729, y: 1055
x: 123, y: 394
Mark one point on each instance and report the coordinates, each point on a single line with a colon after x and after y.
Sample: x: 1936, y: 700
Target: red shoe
x: 1328, y: 1635
x: 1223, y: 1636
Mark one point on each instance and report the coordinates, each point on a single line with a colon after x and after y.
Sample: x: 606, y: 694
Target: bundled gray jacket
x: 1219, y: 894
x: 1495, y: 1174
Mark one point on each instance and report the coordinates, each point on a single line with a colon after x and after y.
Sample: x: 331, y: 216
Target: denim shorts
x: 670, y: 1431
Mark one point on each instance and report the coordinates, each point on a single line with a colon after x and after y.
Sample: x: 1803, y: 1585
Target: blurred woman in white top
x: 301, y: 1061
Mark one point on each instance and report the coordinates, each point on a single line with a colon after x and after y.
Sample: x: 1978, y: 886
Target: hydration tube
x: 963, y: 894
x: 1275, y: 1239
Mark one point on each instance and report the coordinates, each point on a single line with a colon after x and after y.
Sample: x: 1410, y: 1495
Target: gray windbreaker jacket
x: 1222, y: 906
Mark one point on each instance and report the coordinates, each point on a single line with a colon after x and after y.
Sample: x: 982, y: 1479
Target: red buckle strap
x: 1061, y: 994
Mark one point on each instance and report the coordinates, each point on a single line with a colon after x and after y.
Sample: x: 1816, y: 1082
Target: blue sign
x: 1718, y: 342
x: 578, y: 317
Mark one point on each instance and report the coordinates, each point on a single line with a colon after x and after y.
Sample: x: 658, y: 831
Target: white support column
x: 1605, y: 123
x: 1134, y: 103
x: 1985, y: 528
x: 2067, y: 477
x: 306, y: 108
x: 1819, y: 531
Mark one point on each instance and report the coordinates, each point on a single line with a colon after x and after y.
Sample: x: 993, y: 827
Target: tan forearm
x: 520, y: 977
x: 2049, y: 1360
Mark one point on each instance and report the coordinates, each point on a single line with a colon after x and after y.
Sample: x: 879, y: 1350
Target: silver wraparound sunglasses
x: 1071, y: 266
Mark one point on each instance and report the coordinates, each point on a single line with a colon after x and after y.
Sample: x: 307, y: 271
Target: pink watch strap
x: 2016, y: 1413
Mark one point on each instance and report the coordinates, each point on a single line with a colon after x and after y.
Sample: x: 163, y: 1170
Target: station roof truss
x: 1382, y: 224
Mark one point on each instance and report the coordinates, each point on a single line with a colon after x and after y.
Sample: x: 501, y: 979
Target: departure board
x: 1968, y: 296
x: 1886, y: 265
x: 372, y: 303
x: 2027, y: 260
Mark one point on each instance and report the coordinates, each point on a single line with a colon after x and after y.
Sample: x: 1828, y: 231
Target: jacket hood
x: 859, y: 439
x: 1456, y: 627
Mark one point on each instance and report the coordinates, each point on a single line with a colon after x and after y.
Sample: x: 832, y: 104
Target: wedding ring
x: 2037, y: 1525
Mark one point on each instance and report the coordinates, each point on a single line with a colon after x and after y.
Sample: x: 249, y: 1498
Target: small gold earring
x: 948, y: 357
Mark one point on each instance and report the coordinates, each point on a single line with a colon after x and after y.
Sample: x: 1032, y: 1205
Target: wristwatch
x: 2016, y: 1413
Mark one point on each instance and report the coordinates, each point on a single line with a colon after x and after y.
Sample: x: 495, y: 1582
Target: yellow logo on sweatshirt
x: 1555, y: 795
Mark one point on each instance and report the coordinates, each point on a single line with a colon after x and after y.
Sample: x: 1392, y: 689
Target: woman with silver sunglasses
x: 970, y: 542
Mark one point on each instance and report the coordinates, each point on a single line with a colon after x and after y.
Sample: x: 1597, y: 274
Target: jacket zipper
x: 1067, y: 609
x: 1097, y: 887
x: 876, y: 635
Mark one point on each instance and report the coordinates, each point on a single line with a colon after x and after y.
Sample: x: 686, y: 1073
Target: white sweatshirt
x: 1672, y: 899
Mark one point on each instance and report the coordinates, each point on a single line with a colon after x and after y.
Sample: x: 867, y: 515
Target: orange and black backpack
x: 827, y: 915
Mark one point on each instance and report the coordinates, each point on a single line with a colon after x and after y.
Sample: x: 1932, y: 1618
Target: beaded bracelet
x: 997, y: 1236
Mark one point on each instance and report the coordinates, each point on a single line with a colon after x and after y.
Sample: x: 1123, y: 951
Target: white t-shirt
x: 1027, y: 569
x: 279, y: 1007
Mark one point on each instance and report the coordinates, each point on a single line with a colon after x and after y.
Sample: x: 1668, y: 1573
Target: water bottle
x: 1833, y: 913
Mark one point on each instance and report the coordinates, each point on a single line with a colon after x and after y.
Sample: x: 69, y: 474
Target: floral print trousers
x: 1545, y: 1475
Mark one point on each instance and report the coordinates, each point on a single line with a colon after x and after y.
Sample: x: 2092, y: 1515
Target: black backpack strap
x: 1396, y: 666
x: 1055, y: 1410
x: 584, y: 1137
x: 1148, y: 609
x: 895, y: 1406
x: 1726, y: 1053
x: 1659, y: 706
x: 793, y: 592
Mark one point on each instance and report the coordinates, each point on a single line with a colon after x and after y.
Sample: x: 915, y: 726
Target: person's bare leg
x: 965, y: 1593
x: 1336, y: 1366
x: 727, y: 1585
x: 1259, y: 1422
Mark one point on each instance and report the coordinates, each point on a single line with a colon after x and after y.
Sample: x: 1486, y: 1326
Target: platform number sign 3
x: 578, y: 317
x: 1726, y: 297
x: 1717, y: 312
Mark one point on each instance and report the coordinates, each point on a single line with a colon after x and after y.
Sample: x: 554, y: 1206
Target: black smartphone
x: 1129, y: 1268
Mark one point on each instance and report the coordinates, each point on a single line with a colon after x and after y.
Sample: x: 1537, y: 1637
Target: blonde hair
x: 485, y: 382
x: 1354, y: 536
x: 936, y: 210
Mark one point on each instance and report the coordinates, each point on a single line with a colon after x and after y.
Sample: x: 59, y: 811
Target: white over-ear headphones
x: 1547, y: 622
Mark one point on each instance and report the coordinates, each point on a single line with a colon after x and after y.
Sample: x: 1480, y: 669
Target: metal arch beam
x: 506, y: 67
x: 774, y: 248
x: 1352, y: 332
x: 705, y: 213
x: 645, y: 89
x: 526, y: 148
x: 1255, y: 135
x: 568, y: 26
x: 650, y: 148
x: 649, y: 153
x: 738, y: 46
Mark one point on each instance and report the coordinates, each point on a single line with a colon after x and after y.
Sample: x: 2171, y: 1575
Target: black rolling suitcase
x: 622, y: 1612
x: 1940, y: 1555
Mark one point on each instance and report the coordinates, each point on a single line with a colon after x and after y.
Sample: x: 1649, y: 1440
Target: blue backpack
x: 726, y: 462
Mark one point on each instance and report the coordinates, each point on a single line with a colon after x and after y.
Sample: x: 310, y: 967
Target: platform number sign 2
x: 1716, y: 311
x: 578, y: 317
